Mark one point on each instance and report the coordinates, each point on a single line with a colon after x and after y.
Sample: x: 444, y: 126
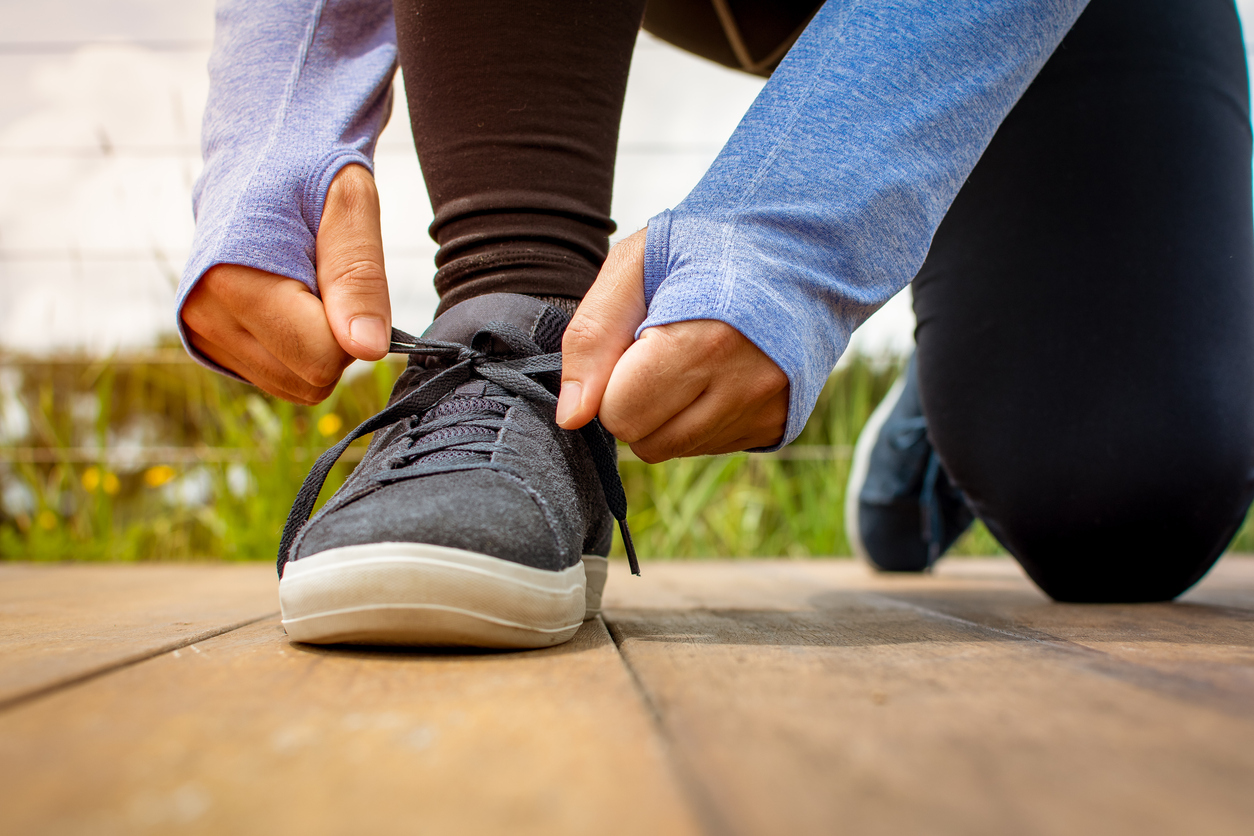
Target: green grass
x: 154, y: 458
x: 243, y: 454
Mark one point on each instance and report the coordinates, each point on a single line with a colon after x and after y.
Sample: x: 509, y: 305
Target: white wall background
x: 99, y: 120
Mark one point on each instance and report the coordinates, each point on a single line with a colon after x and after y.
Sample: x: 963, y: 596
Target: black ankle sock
x: 565, y: 304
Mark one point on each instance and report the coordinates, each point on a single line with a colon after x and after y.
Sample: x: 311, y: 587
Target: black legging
x: 1086, y: 311
x: 515, y: 109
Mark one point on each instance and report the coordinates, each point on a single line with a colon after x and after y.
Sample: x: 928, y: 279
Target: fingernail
x: 369, y: 333
x: 568, y: 400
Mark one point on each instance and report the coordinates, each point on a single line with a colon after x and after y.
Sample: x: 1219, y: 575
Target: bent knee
x: 1107, y: 522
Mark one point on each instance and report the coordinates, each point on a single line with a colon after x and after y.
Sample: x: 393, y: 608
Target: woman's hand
x: 684, y: 389
x: 272, y: 331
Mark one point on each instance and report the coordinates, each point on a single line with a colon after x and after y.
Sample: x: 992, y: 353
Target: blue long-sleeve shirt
x: 821, y: 206
x: 297, y: 90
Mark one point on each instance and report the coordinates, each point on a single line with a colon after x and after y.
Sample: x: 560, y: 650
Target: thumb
x: 602, y: 329
x: 349, y: 257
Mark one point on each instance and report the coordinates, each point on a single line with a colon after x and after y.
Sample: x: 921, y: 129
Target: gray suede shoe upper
x: 467, y: 453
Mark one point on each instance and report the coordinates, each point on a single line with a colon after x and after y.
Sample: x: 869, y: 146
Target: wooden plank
x: 1196, y: 649
x: 1229, y: 584
x: 248, y: 734
x: 63, y: 622
x: 1204, y: 645
x: 818, y: 698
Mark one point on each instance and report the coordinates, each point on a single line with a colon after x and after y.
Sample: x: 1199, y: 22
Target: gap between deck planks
x: 800, y: 697
x: 815, y: 698
x: 248, y: 734
x: 68, y: 622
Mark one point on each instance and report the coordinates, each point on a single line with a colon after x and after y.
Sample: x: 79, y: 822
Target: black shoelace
x: 472, y: 430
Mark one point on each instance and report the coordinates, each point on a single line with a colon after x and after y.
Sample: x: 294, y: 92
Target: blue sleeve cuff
x: 297, y: 91
x: 795, y: 331
x: 268, y: 230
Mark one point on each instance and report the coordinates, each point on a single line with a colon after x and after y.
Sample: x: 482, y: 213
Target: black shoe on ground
x: 473, y: 519
x: 901, y: 510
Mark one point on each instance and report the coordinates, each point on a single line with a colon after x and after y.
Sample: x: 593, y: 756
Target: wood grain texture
x: 62, y: 622
x: 816, y: 697
x: 1230, y: 583
x: 248, y: 734
x: 771, y: 697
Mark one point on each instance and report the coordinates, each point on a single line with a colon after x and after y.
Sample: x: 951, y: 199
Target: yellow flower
x: 91, y: 479
x: 111, y: 483
x: 330, y: 424
x: 158, y: 475
x: 46, y: 520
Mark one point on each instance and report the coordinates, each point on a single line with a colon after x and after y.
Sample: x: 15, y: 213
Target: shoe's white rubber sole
x: 862, y: 464
x: 421, y: 595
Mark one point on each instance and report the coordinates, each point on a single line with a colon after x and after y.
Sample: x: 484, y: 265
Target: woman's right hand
x: 273, y: 332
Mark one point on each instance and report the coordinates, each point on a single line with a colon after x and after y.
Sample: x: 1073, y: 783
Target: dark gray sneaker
x: 473, y: 519
x: 901, y: 510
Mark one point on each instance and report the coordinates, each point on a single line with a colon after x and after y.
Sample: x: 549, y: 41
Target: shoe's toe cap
x: 482, y: 511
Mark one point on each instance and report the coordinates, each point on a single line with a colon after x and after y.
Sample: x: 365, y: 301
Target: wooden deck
x: 729, y: 697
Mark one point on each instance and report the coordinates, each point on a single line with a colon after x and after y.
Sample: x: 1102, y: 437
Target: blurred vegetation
x: 767, y: 505
x: 151, y: 457
x: 157, y: 458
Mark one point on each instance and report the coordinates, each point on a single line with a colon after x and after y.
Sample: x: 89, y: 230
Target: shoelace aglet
x: 402, y: 342
x: 630, y: 547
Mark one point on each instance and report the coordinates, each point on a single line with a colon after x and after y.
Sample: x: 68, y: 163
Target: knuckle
x: 582, y: 335
x: 322, y: 370
x: 650, y: 454
x: 215, y: 279
x: 771, y: 372
x: 353, y: 190
x: 623, y: 430
x: 730, y: 345
x: 195, y: 319
x: 766, y: 385
x: 321, y: 374
x: 198, y: 310
x: 685, y: 443
x: 312, y: 396
x: 360, y: 277
x: 723, y: 338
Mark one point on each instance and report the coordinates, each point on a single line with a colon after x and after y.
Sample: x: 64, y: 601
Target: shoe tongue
x: 469, y: 397
x: 542, y: 322
x: 459, y: 324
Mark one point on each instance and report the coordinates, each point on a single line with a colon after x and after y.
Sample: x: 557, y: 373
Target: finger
x: 684, y: 433
x: 653, y: 381
x: 268, y: 329
x: 717, y: 422
x: 602, y: 329
x: 351, y: 277
x: 212, y: 328
x: 248, y: 359
x: 761, y: 422
x: 695, y: 387
x: 290, y: 323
